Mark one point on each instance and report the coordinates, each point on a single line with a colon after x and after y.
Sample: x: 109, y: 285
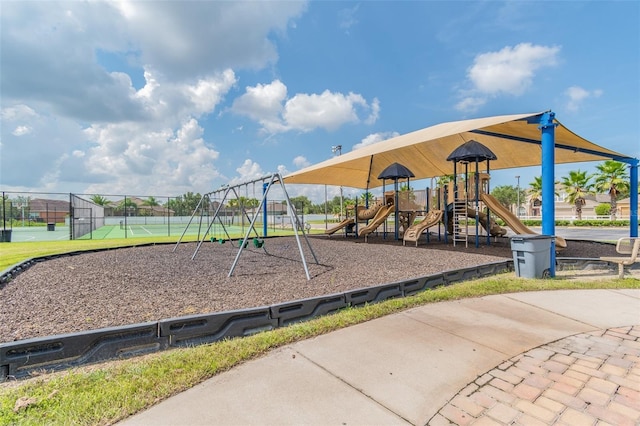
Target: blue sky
x: 162, y: 98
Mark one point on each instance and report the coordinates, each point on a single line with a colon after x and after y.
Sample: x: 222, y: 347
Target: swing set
x: 217, y: 199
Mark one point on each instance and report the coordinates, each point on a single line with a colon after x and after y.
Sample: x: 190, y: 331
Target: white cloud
x: 327, y: 110
x: 577, y: 95
x: 263, y: 103
x: 301, y: 162
x: 375, y: 138
x: 21, y: 130
x: 375, y: 112
x: 165, y: 155
x: 164, y: 161
x: 509, y: 71
x: 206, y: 35
x: 347, y: 18
x: 303, y: 112
x: 17, y: 112
x: 470, y: 104
x: 282, y: 169
x: 74, y: 114
x: 248, y: 171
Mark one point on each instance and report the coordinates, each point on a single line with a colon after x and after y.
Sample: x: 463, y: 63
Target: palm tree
x: 612, y: 178
x: 367, y: 197
x: 99, y: 200
x: 578, y: 187
x: 128, y: 207
x: 149, y: 204
x: 535, y: 190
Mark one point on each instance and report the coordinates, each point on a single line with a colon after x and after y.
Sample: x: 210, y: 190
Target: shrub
x: 603, y: 209
x: 599, y: 222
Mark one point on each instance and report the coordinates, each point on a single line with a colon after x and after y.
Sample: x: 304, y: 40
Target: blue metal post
x: 547, y: 128
x: 264, y: 209
x: 633, y: 199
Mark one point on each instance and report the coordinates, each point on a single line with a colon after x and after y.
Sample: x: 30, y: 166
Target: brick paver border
x: 587, y: 379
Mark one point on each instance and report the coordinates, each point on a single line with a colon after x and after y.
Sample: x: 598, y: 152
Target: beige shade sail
x: 512, y: 138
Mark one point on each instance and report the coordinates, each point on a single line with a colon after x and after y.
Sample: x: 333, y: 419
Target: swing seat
x: 257, y: 243
x: 221, y: 241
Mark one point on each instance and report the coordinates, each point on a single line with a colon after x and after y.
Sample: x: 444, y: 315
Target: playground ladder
x: 460, y: 231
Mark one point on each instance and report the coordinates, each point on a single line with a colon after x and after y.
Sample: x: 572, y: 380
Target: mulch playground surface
x: 134, y: 285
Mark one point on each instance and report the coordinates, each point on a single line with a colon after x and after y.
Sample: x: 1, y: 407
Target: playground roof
x: 515, y: 140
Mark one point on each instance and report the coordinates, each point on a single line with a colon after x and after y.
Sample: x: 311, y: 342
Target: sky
x: 163, y: 98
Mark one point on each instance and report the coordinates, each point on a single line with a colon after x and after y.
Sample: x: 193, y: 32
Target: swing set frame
x: 227, y: 191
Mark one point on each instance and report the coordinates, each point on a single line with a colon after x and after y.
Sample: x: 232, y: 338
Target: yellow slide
x: 512, y: 220
x: 362, y: 214
x: 339, y: 226
x: 415, y: 231
x: 495, y: 230
x: 368, y: 213
x: 380, y: 217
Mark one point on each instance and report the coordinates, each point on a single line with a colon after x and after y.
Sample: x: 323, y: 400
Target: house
x: 564, y: 209
x: 135, y: 207
x: 48, y: 211
x: 624, y: 206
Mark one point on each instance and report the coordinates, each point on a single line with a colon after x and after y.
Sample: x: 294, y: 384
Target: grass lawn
x: 106, y: 393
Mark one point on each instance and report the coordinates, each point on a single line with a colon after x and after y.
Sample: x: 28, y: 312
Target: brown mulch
x: 134, y: 285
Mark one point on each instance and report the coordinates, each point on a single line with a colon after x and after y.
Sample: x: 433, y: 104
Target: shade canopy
x: 471, y: 151
x: 514, y: 140
x: 396, y: 171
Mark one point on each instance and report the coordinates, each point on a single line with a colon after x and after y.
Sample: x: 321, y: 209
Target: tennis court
x: 162, y: 230
x: 20, y: 234
x: 112, y: 230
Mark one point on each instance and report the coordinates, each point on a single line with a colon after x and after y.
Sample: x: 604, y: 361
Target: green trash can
x: 51, y: 226
x: 532, y: 255
x: 5, y: 235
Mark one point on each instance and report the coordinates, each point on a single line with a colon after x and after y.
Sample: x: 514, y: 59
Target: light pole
x: 338, y: 149
x: 518, y: 189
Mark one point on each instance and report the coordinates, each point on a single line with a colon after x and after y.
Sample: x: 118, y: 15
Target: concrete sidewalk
x: 569, y: 357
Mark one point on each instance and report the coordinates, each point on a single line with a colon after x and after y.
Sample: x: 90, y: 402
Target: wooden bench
x: 626, y: 245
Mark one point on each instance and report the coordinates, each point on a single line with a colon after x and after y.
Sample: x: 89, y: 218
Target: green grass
x: 13, y: 253
x: 109, y: 392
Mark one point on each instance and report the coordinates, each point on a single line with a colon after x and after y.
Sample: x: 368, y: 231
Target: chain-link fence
x: 31, y: 216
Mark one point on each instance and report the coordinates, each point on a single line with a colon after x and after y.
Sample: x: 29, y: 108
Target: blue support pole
x: 547, y: 128
x: 633, y: 200
x: 264, y: 209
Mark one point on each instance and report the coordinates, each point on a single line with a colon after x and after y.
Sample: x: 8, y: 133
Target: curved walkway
x: 559, y: 357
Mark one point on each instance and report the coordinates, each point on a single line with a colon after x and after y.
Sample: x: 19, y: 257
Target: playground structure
x: 216, y: 200
x: 375, y: 216
x: 362, y: 214
x: 471, y: 200
x: 413, y: 233
x: 475, y: 193
x: 405, y: 210
x: 469, y: 190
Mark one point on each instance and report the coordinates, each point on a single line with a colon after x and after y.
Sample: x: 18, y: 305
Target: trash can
x: 51, y: 226
x: 532, y: 255
x: 5, y: 235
